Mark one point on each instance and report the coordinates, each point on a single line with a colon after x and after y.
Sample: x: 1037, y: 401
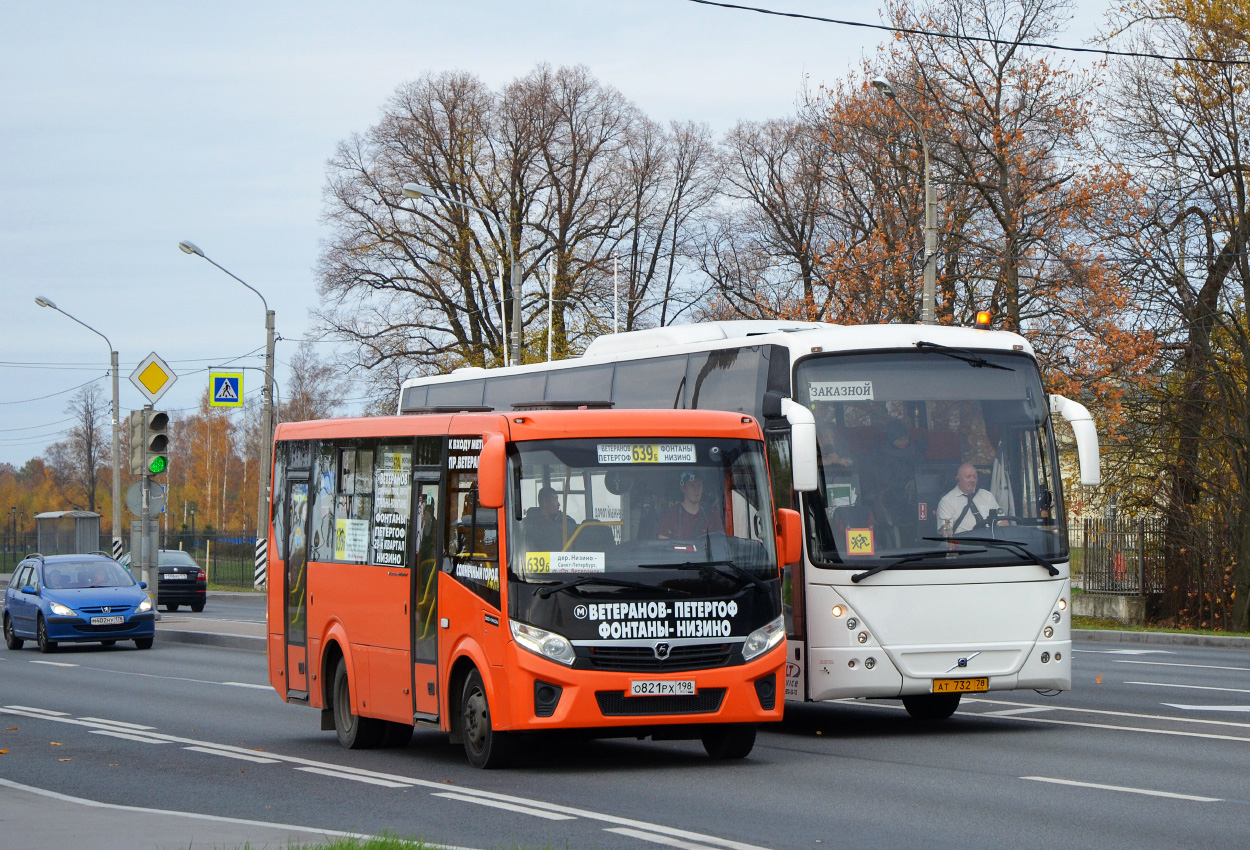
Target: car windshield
x: 175, y: 558
x: 71, y: 575
x: 690, y: 515
x: 930, y: 443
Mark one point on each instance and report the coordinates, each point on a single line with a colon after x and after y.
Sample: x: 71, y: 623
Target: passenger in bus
x: 546, y: 526
x: 832, y: 447
x: 893, y: 480
x: 967, y: 506
x: 687, y: 519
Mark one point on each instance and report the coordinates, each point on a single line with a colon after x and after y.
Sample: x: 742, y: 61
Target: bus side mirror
x: 802, y: 445
x: 790, y: 532
x: 1086, y: 434
x: 491, y: 472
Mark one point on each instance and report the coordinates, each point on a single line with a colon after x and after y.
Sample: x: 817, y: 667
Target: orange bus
x: 640, y: 588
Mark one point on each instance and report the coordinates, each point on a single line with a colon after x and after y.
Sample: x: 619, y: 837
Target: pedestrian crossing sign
x: 227, y: 389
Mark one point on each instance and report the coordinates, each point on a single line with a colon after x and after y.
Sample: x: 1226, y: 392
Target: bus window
x: 471, y: 534
x: 731, y: 379
x: 658, y: 382
x: 503, y: 392
x: 392, y: 505
x: 587, y: 383
x: 467, y: 393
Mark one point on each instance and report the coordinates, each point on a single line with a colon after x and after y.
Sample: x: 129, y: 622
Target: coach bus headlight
x: 542, y: 642
x: 763, y: 639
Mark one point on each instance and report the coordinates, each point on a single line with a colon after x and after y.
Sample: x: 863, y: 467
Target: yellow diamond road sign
x: 153, y: 377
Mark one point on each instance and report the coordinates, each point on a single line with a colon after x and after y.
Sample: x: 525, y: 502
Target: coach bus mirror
x: 771, y: 407
x: 490, y: 472
x: 1086, y: 434
x: 802, y: 445
x: 790, y: 528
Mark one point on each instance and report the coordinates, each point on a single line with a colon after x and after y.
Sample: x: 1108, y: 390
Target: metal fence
x: 1123, y: 556
x: 228, y: 556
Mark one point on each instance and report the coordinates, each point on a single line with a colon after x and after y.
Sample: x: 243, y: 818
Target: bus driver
x: 966, y: 506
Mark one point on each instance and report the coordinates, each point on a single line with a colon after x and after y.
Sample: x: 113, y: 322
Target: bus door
x: 424, y: 592
x: 297, y: 496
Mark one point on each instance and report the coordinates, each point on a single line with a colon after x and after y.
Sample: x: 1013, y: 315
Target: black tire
x: 107, y: 642
x: 484, y: 747
x: 41, y: 637
x: 931, y: 706
x: 171, y: 607
x: 11, y: 640
x: 143, y: 643
x: 354, y: 732
x: 396, y: 735
x: 730, y: 741
x: 197, y: 607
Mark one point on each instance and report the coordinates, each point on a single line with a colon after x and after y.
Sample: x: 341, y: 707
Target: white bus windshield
x: 930, y: 443
x: 680, y: 513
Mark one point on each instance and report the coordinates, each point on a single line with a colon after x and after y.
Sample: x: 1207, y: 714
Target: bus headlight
x: 542, y: 642
x: 763, y: 639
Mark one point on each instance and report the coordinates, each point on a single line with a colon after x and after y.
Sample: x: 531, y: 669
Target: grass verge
x: 1079, y: 622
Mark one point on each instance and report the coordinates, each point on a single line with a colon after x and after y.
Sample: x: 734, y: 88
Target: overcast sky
x: 128, y: 126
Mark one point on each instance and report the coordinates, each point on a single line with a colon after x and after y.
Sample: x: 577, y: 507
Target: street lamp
x: 117, y: 452
x: 267, y: 414
x: 929, y: 295
x: 416, y: 191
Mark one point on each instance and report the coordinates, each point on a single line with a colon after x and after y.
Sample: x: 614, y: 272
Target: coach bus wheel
x: 355, y: 732
x: 41, y: 637
x: 485, y: 747
x: 11, y: 640
x: 931, y: 706
x: 729, y: 741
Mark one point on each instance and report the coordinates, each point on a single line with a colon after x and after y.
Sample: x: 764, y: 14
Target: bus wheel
x: 729, y: 741
x: 931, y: 706
x: 355, y: 732
x: 485, y: 747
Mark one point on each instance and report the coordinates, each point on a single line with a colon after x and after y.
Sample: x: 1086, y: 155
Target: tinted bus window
x: 733, y: 379
x: 468, y: 393
x: 503, y: 392
x: 656, y: 382
x: 587, y: 383
x: 413, y: 398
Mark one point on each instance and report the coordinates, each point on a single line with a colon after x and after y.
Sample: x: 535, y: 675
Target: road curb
x: 1162, y: 638
x: 246, y: 642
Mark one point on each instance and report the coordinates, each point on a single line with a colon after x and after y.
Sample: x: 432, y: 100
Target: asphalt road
x: 1152, y: 749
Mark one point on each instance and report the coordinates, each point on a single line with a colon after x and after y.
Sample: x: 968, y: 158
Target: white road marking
x: 656, y: 839
x: 117, y: 723
x: 1012, y: 712
x: 39, y: 710
x: 55, y: 663
x: 1125, y: 651
x: 338, y: 774
x: 1160, y: 717
x: 1125, y: 789
x: 1192, y: 687
x: 496, y: 804
x: 241, y: 756
x: 143, y: 739
x: 249, y: 685
x: 1178, y: 664
x: 1239, y: 709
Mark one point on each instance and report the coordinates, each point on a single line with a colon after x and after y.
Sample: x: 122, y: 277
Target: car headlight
x: 763, y: 639
x: 60, y: 610
x: 145, y: 605
x: 542, y: 642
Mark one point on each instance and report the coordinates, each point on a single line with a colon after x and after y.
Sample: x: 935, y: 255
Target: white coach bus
x: 922, y: 459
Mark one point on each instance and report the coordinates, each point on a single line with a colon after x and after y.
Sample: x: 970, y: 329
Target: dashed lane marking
x: 44, y: 711
x: 55, y: 663
x: 1179, y: 664
x: 656, y: 839
x: 1192, y: 687
x: 249, y: 685
x: 1236, y: 709
x: 369, y: 780
x: 1124, y: 789
x: 142, y: 739
x: 1012, y: 712
x: 241, y: 756
x: 135, y: 726
x: 496, y: 804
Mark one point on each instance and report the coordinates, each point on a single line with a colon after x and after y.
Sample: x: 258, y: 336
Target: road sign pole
x: 266, y: 449
x: 117, y: 466
x: 146, y: 555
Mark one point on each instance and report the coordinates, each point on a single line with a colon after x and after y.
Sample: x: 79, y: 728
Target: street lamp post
x: 929, y: 295
x: 267, y: 412
x: 117, y: 453
x: 416, y: 191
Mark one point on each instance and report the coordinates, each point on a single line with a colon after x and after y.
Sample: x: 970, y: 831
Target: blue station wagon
x: 76, y: 598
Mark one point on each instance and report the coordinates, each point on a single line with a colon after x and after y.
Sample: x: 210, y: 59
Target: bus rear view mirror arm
x: 802, y: 444
x: 1086, y: 434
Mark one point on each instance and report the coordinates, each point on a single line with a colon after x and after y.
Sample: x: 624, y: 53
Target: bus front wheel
x: 485, y: 747
x: 931, y: 706
x: 354, y: 732
x: 729, y: 741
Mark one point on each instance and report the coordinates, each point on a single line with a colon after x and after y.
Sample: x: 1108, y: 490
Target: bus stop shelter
x: 67, y: 532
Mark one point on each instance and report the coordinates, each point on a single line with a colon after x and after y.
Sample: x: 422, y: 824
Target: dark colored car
x: 181, y: 580
x: 76, y: 599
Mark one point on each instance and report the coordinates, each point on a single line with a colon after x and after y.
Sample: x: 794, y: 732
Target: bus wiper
x: 546, y: 591
x: 911, y: 557
x: 1011, y: 545
x: 732, y: 571
x: 961, y: 354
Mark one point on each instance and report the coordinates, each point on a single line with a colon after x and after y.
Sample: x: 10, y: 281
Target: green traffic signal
x: 158, y: 464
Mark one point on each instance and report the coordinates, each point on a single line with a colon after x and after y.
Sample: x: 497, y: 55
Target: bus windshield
x: 930, y: 442
x: 685, y: 515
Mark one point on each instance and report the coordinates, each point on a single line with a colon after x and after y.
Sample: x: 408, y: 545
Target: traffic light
x: 137, y: 443
x: 156, y: 441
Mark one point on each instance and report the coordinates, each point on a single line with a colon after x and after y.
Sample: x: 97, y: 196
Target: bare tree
x: 83, y: 456
x: 314, y: 388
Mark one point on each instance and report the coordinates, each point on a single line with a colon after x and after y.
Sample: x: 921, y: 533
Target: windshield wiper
x: 961, y: 354
x: 1011, y: 545
x: 546, y: 591
x: 733, y: 571
x: 911, y: 557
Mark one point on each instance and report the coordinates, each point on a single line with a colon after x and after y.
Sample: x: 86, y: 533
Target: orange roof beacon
x: 500, y: 574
